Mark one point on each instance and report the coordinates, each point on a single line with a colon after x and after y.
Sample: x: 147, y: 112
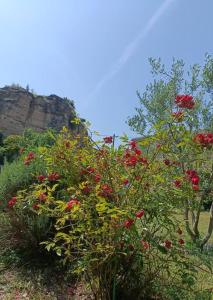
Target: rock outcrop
x: 20, y: 109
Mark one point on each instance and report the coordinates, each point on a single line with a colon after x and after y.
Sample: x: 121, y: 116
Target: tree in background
x: 157, y: 102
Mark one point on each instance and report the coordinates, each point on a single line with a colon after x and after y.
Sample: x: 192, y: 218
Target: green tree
x: 157, y: 102
x: 163, y: 121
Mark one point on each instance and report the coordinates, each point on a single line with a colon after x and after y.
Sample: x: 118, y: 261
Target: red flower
x: 167, y: 244
x: 42, y: 197
x: 179, y: 231
x: 97, y: 177
x: 137, y: 151
x: 106, y: 190
x: 181, y: 242
x: 35, y: 206
x: 184, y: 101
x: 53, y: 176
x: 167, y: 162
x: 72, y: 202
x: 143, y: 160
x: 41, y: 178
x: 31, y: 155
x: 177, y: 183
x: 138, y: 178
x: 131, y: 161
x: 195, y: 180
x: 145, y: 244
x: 195, y: 187
x: 158, y: 146
x: 12, y: 202
x: 86, y: 190
x: 128, y: 223
x: 139, y: 214
x: 191, y: 173
x: 204, y: 139
x: 125, y: 181
x: 90, y: 170
x: 108, y: 139
x: 133, y: 144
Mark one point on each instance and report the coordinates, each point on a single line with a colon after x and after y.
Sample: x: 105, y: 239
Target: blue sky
x: 96, y: 51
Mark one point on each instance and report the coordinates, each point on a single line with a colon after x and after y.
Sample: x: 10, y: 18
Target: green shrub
x: 15, y: 176
x: 112, y: 211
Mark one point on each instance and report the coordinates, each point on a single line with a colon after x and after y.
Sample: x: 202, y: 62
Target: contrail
x: 131, y: 48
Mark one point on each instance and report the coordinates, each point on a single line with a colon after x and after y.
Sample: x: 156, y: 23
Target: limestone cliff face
x: 20, y: 109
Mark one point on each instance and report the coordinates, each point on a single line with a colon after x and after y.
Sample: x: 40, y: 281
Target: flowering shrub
x: 112, y: 214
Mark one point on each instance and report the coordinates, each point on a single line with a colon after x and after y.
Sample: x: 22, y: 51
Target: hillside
x: 20, y: 109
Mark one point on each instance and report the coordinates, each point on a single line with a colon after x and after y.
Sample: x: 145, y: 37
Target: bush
x: 112, y: 211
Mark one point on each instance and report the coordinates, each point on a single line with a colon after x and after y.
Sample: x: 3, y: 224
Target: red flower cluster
x: 128, y: 223
x: 145, y: 244
x: 167, y: 244
x: 108, y: 140
x: 177, y: 183
x: 194, y: 178
x: 35, y: 206
x: 133, y: 155
x: 181, y: 242
x: 178, y: 115
x: 185, y: 101
x: 12, y: 202
x: 204, y: 139
x: 72, y: 202
x: 53, y: 176
x: 29, y: 158
x: 125, y: 181
x: 106, y: 190
x: 42, y: 197
x: 41, y: 178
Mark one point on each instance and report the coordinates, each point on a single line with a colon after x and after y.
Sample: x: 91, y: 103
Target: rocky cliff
x: 20, y: 109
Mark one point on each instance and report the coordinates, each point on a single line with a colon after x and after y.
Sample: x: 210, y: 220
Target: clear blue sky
x: 95, y: 51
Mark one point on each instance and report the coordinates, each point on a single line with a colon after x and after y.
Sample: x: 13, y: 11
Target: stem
x: 186, y: 219
x: 210, y: 228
